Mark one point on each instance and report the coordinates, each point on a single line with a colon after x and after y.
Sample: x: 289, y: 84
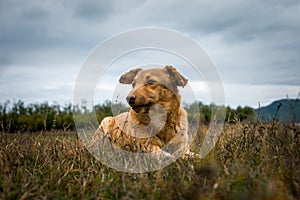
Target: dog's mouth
x: 141, y: 108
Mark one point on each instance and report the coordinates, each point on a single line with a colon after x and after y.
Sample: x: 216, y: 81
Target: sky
x: 255, y: 45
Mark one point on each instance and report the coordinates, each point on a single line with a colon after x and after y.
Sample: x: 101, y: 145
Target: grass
x: 250, y: 161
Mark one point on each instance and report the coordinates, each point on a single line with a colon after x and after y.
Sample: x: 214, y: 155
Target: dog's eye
x: 150, y: 82
x: 133, y: 84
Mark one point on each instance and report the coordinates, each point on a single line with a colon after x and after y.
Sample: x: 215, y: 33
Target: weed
x: 250, y: 161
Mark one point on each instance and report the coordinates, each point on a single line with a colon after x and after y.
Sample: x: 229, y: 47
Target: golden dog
x: 156, y: 121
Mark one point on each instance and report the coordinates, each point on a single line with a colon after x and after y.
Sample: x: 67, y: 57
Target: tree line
x: 20, y: 117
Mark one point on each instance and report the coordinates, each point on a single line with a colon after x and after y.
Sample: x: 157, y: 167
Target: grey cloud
x: 242, y: 21
x: 97, y: 10
x: 263, y: 35
x: 252, y: 42
x: 45, y: 23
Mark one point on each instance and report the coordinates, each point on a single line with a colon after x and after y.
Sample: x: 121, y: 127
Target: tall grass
x: 250, y: 161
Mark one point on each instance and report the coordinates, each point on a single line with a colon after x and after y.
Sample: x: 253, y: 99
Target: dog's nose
x: 130, y: 99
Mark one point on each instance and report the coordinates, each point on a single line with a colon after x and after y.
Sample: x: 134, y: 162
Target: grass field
x: 250, y: 161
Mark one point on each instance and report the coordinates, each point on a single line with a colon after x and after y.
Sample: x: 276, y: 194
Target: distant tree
x: 230, y: 114
x: 205, y: 113
x: 20, y: 117
x: 103, y: 110
x: 244, y: 113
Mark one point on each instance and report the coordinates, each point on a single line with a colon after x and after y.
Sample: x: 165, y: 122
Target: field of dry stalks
x: 250, y: 161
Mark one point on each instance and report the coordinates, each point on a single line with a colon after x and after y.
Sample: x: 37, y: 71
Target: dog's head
x: 152, y: 86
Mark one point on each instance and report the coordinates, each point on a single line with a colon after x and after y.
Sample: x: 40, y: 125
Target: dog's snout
x: 130, y: 99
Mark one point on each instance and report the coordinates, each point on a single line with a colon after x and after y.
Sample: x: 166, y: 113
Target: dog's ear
x: 128, y: 77
x: 178, y: 78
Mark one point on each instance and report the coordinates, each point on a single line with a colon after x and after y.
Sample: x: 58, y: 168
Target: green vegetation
x: 232, y: 115
x: 17, y: 117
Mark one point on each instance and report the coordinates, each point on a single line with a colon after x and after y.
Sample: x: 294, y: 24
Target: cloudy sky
x: 255, y: 44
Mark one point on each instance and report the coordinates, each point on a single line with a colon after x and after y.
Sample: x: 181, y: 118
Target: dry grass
x: 251, y: 161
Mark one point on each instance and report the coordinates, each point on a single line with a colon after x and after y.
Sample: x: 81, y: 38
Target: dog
x: 155, y: 121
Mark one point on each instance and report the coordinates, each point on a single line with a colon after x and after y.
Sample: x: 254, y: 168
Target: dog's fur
x: 155, y: 119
